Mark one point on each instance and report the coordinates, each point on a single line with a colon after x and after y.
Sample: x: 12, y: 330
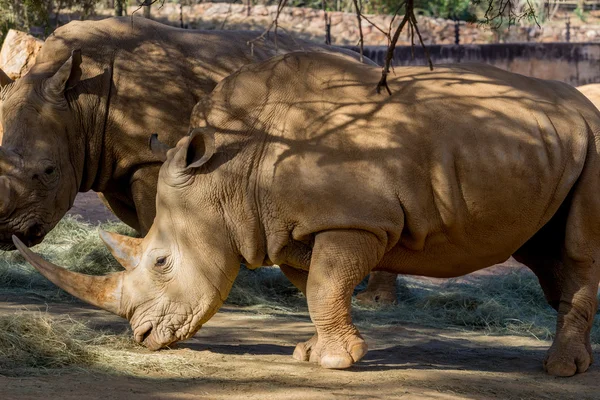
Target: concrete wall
x: 574, y: 63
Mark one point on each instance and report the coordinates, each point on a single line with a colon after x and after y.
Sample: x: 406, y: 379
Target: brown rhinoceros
x: 297, y: 161
x: 81, y: 122
x: 592, y: 92
x: 381, y: 289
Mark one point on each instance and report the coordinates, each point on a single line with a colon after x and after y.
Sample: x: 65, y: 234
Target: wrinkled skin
x: 381, y: 288
x: 81, y: 122
x: 297, y: 161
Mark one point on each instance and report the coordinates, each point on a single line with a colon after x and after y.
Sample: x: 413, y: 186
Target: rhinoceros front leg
x: 340, y: 260
x: 299, y: 279
x: 122, y: 210
x: 381, y: 289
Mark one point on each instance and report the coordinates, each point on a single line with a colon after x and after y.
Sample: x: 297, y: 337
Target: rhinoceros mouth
x: 151, y: 337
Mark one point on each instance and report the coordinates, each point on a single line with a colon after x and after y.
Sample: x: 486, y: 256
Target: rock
x: 18, y: 53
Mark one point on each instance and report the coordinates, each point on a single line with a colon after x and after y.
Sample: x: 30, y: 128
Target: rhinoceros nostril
x: 146, y: 334
x: 37, y: 231
x: 143, y: 332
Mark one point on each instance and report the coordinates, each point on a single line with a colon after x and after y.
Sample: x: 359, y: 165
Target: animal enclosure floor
x: 242, y: 355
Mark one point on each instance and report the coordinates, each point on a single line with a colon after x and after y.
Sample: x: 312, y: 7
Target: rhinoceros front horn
x: 100, y: 291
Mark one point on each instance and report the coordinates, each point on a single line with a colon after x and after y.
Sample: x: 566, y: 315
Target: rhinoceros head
x: 176, y: 277
x: 38, y: 171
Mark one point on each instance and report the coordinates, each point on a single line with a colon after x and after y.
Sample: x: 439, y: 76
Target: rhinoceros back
x: 467, y: 161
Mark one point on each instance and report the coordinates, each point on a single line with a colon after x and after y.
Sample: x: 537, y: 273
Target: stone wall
x: 309, y: 23
x: 573, y: 63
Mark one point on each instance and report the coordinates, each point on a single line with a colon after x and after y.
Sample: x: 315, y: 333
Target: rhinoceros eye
x: 160, y: 261
x: 49, y: 170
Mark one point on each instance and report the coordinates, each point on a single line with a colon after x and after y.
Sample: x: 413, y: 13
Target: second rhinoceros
x: 79, y: 120
x: 592, y: 92
x: 298, y: 161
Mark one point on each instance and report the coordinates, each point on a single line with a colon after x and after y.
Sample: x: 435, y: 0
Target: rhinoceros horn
x: 100, y: 291
x: 125, y: 249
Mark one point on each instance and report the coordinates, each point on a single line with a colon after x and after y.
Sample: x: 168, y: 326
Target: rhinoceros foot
x: 332, y: 353
x: 381, y: 290
x: 568, y: 357
x: 385, y: 296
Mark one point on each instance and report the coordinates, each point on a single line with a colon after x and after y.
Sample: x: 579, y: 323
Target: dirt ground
x: 242, y: 355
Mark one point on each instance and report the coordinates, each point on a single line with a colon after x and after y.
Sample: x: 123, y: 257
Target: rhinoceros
x: 592, y: 92
x: 79, y: 120
x: 382, y: 289
x: 297, y: 161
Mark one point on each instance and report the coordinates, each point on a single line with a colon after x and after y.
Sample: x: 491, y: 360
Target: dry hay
x: 33, y: 343
x: 511, y: 303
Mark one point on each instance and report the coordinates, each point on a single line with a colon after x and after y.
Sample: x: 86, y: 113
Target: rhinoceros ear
x: 125, y: 249
x: 66, y: 77
x: 197, y: 150
x: 158, y: 148
x: 4, y: 79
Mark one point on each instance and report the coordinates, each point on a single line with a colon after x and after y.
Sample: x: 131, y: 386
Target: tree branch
x: 410, y: 19
x: 361, y: 40
x: 274, y: 23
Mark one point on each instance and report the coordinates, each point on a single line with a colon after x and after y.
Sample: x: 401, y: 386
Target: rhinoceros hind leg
x: 298, y: 277
x: 577, y: 276
x: 571, y: 351
x: 543, y: 254
x: 340, y: 260
x: 381, y: 290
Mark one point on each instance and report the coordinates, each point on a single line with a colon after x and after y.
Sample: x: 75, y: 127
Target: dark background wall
x: 574, y: 63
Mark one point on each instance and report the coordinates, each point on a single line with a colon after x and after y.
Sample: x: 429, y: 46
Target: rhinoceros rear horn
x: 158, y: 148
x: 100, y: 291
x: 4, y: 79
x: 125, y: 249
x: 66, y: 77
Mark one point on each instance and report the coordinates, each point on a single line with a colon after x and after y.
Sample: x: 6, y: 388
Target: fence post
x: 119, y: 8
x: 181, y: 14
x: 456, y: 32
x: 327, y: 24
x: 568, y: 33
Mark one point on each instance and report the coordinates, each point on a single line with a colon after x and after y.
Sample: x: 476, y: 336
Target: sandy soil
x: 242, y: 355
